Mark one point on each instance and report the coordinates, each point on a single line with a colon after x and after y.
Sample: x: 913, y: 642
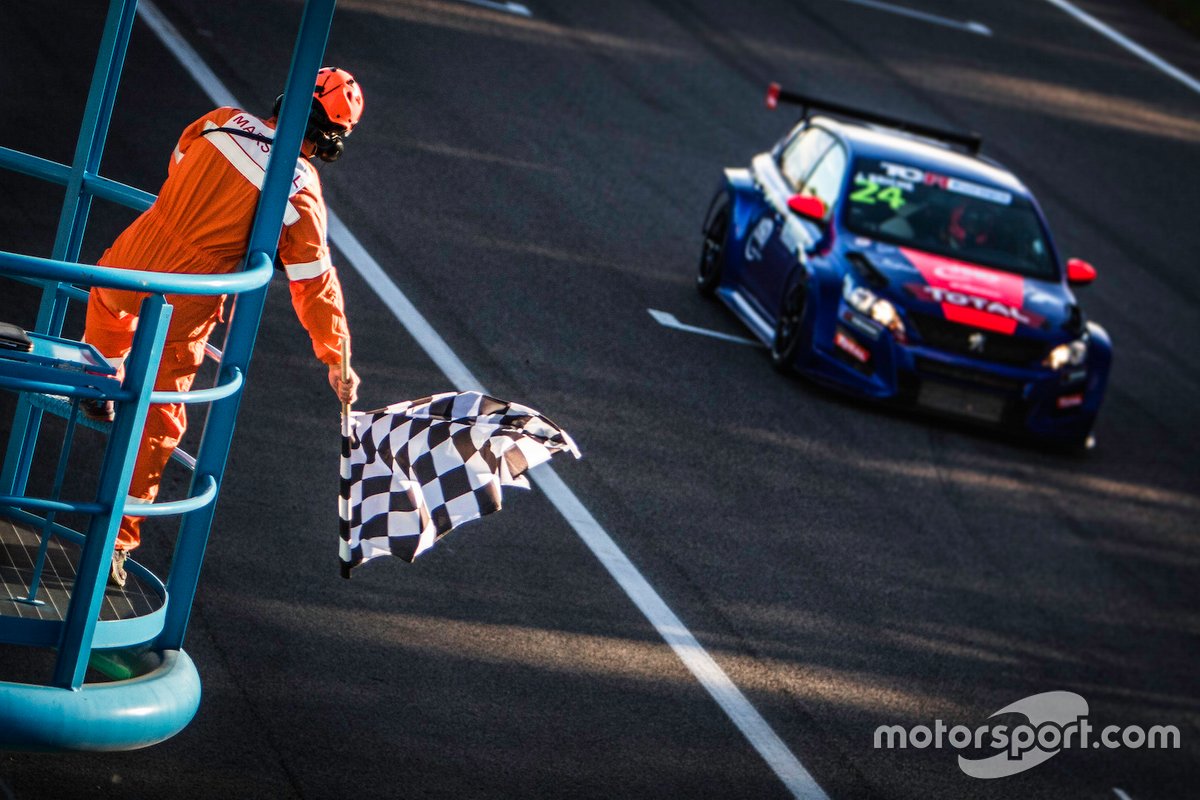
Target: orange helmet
x: 339, y: 96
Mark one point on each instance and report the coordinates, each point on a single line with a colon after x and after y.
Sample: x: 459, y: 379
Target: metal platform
x: 18, y: 553
x: 73, y: 616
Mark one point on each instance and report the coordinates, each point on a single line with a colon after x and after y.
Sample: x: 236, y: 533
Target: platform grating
x: 18, y: 553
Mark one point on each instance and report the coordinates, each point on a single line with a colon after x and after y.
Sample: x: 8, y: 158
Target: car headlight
x: 865, y: 302
x: 1070, y: 354
x: 885, y: 314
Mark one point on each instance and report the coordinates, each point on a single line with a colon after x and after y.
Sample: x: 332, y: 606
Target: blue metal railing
x: 243, y: 327
x: 53, y: 172
x: 65, y: 713
x: 255, y: 276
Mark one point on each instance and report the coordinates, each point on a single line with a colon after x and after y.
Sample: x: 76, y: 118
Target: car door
x: 813, y: 164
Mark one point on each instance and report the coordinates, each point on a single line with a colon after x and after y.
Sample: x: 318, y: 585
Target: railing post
x: 141, y: 369
x: 89, y: 148
x: 243, y: 326
x: 18, y: 458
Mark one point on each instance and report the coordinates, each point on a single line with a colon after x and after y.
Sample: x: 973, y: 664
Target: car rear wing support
x: 971, y: 142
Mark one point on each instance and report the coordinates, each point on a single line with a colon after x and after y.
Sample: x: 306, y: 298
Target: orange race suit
x: 200, y: 223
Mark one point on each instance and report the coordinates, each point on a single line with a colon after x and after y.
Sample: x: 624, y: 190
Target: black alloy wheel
x: 712, y: 254
x: 788, y: 328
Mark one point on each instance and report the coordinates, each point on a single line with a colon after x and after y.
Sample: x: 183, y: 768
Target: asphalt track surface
x: 534, y: 186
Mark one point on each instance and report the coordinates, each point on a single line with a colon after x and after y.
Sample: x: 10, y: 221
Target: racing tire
x: 712, y: 252
x: 788, y: 329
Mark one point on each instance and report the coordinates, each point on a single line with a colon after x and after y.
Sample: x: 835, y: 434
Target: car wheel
x: 788, y: 328
x: 712, y: 253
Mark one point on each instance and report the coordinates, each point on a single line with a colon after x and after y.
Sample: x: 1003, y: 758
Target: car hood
x: 959, y: 291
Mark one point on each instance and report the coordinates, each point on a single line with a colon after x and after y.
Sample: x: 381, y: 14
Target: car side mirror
x: 809, y: 207
x: 1080, y: 272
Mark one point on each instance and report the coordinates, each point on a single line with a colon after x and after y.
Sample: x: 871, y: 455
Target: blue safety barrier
x: 157, y: 690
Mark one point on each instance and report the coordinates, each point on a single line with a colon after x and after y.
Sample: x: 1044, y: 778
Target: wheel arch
x: 739, y: 189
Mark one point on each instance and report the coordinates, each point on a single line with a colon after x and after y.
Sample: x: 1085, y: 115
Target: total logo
x: 939, y: 294
x: 971, y: 295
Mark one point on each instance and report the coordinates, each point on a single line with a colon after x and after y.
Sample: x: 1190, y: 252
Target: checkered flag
x: 414, y: 471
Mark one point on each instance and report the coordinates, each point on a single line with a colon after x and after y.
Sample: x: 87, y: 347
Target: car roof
x: 870, y: 141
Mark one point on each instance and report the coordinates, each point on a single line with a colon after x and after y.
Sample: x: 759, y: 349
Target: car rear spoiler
x: 972, y: 142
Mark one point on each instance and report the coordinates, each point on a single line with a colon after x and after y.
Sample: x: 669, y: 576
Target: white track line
x: 1128, y: 44
x: 971, y: 27
x: 508, y: 8
x: 1121, y: 794
x: 669, y: 320
x: 747, y: 719
x: 187, y: 56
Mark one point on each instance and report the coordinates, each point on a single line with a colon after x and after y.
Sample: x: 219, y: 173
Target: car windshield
x: 947, y: 215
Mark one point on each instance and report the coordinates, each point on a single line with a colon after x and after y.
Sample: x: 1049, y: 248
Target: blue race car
x: 892, y: 261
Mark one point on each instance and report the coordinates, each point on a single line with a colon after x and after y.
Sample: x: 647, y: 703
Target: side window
x: 826, y: 180
x: 802, y: 153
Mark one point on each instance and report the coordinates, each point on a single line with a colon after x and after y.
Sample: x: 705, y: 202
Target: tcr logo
x: 908, y: 174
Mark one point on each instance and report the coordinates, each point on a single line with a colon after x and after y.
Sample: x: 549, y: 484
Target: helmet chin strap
x: 327, y: 145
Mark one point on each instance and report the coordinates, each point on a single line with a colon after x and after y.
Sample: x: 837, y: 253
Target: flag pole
x: 345, y: 378
x: 344, y: 471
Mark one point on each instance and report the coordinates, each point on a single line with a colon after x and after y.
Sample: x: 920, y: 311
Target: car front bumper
x: 855, y: 355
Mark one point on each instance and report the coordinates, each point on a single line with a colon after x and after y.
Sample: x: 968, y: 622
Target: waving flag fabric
x: 414, y: 471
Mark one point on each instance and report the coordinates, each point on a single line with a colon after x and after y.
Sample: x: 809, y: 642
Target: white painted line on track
x: 740, y: 711
x: 188, y: 57
x: 1128, y: 44
x: 1121, y: 794
x: 669, y: 320
x: 412, y: 319
x: 510, y: 8
x: 972, y: 27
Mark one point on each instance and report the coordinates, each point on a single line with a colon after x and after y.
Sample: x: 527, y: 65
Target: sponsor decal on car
x: 1069, y: 401
x: 792, y: 235
x: 866, y: 327
x: 758, y: 239
x: 895, y: 181
x: 846, y: 342
x: 971, y: 295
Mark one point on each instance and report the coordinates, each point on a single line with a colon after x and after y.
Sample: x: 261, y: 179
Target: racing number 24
x: 871, y: 193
